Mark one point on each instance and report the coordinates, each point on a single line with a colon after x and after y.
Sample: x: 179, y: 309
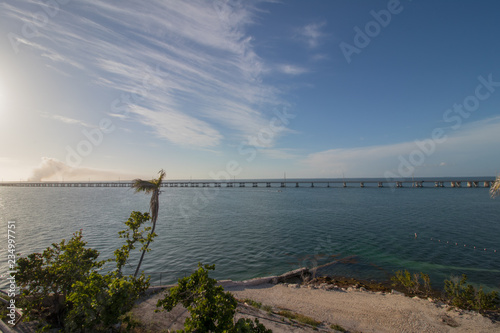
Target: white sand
x: 365, y: 311
x: 354, y: 310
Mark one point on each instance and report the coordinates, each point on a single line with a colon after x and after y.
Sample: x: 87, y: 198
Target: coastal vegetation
x: 299, y: 318
x: 211, y: 309
x: 63, y: 287
x: 465, y: 296
x: 149, y: 186
x: 457, y: 292
x: 495, y: 189
x: 258, y: 305
x: 412, y: 282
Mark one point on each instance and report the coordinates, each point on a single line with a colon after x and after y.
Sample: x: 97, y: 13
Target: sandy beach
x: 364, y: 311
x: 352, y: 309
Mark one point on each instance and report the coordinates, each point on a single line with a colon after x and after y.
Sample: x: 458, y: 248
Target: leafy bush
x: 46, y: 278
x: 405, y: 279
x: 211, y: 309
x: 245, y: 325
x: 100, y: 300
x: 412, y: 282
x: 62, y: 287
x: 465, y: 296
x: 427, y: 283
x: 132, y: 235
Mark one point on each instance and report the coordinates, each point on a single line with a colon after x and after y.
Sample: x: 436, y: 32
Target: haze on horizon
x: 248, y: 89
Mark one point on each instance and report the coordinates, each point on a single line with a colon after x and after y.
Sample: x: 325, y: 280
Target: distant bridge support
x: 470, y: 183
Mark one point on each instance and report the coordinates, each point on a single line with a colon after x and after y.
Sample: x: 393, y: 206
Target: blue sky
x: 248, y: 89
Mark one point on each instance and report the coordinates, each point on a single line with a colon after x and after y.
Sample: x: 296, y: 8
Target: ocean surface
x: 249, y: 232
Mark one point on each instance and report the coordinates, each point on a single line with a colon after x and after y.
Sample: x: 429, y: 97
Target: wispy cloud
x: 473, y: 142
x: 65, y: 120
x: 292, y: 69
x: 312, y: 34
x: 189, y: 66
x: 178, y: 127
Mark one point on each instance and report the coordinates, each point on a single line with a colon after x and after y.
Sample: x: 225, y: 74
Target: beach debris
x: 297, y: 275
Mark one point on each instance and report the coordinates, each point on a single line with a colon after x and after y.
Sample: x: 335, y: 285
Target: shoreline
x: 331, y: 304
x: 352, y: 308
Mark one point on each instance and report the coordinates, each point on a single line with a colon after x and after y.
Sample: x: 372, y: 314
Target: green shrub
x: 211, y: 309
x: 267, y: 308
x: 62, y: 287
x: 100, y: 301
x: 465, y: 296
x: 245, y: 325
x: 427, y: 283
x: 405, y: 279
x: 47, y: 278
x: 411, y: 282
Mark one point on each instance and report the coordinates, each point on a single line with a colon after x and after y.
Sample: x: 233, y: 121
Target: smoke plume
x: 51, y: 169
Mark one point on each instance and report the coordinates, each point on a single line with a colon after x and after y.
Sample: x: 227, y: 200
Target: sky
x: 108, y: 90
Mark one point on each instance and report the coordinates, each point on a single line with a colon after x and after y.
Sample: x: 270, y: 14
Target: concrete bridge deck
x: 277, y: 184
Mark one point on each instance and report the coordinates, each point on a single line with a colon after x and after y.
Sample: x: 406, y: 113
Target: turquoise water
x: 252, y: 232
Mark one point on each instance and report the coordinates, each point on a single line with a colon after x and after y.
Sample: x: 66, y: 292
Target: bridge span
x: 470, y: 183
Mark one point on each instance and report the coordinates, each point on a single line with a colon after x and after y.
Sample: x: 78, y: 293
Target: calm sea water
x: 251, y: 232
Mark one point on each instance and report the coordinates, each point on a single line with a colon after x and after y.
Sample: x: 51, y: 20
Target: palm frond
x: 143, y: 185
x: 161, y: 175
x: 495, y: 189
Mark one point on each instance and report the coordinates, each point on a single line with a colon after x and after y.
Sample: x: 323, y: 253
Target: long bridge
x: 471, y: 183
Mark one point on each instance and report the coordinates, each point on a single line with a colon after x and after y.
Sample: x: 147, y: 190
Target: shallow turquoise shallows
x: 250, y: 232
